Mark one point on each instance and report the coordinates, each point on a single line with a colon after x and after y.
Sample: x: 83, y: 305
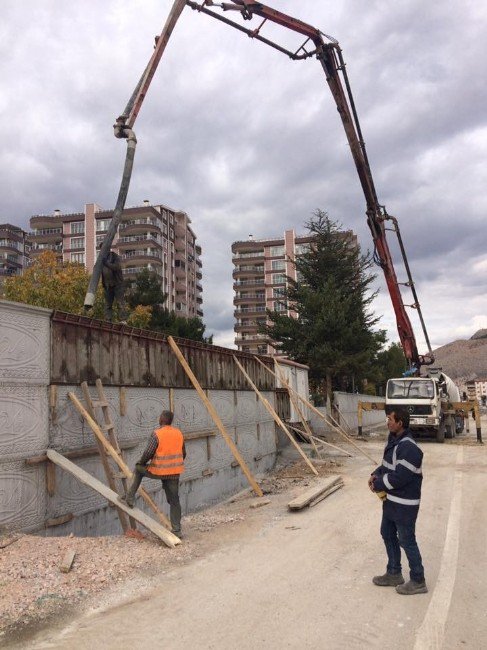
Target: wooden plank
x: 197, y: 435
x: 103, y: 455
x: 67, y: 561
x: 216, y: 419
x: 276, y: 418
x: 53, y: 402
x: 50, y: 478
x: 59, y: 521
x: 319, y: 498
x: 258, y: 503
x: 6, y: 541
x: 120, y: 462
x: 167, y: 537
x: 110, y: 429
x: 123, y: 400
x: 342, y: 433
x: 78, y: 453
x: 295, y: 403
x: 306, y: 497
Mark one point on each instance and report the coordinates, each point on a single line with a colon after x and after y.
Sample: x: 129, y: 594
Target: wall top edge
x: 7, y: 305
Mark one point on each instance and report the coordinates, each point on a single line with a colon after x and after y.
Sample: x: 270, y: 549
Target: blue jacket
x: 400, y: 476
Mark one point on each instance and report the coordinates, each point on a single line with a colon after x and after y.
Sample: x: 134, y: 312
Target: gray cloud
x: 247, y: 141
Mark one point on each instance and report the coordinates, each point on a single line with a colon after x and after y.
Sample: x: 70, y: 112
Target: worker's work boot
x: 412, y: 587
x: 388, y: 580
x: 132, y: 489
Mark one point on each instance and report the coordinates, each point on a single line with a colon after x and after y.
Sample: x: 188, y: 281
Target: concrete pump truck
x: 431, y: 398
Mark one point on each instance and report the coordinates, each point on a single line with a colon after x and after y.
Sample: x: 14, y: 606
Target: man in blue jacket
x: 400, y: 477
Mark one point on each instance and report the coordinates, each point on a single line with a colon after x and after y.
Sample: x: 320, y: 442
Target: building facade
x: 477, y: 389
x: 153, y: 237
x: 261, y: 271
x: 14, y: 251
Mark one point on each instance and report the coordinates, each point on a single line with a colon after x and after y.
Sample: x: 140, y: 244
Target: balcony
x: 142, y: 255
x: 250, y: 309
x: 135, y: 270
x: 248, y: 255
x: 250, y: 337
x: 247, y: 269
x: 249, y: 283
x: 250, y: 296
x: 138, y: 240
x: 39, y: 248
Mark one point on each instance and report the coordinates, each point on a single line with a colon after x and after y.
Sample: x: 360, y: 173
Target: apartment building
x: 14, y: 251
x: 259, y: 281
x: 153, y: 237
x: 477, y: 389
x: 261, y: 269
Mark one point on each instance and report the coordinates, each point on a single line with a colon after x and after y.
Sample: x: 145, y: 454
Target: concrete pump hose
x: 117, y: 216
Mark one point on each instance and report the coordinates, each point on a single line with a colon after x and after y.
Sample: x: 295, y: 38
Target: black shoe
x: 127, y: 500
x: 388, y: 580
x: 412, y: 587
x: 178, y: 533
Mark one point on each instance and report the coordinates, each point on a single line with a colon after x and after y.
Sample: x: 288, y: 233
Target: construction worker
x: 112, y: 281
x: 400, y: 477
x: 162, y: 459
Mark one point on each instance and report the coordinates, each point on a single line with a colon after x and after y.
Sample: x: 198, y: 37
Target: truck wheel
x: 440, y: 434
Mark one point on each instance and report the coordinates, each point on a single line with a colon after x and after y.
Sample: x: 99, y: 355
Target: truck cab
x: 426, y: 399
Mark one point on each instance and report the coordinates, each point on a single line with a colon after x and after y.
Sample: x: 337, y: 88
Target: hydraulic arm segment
x: 329, y: 54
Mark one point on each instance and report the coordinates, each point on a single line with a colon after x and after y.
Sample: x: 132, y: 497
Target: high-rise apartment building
x: 153, y: 237
x: 262, y: 267
x: 14, y: 250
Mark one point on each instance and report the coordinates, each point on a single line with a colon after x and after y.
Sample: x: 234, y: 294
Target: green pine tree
x: 333, y: 333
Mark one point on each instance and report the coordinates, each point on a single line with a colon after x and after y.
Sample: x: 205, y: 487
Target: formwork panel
x: 22, y: 496
x: 23, y: 421
x: 24, y: 345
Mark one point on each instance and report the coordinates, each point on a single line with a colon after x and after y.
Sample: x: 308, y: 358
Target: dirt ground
x: 34, y: 593
x: 33, y: 589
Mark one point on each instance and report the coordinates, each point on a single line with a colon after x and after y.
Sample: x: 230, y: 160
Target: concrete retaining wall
x: 32, y: 499
x: 347, y: 404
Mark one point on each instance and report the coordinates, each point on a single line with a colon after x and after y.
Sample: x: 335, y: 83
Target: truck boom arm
x: 330, y: 56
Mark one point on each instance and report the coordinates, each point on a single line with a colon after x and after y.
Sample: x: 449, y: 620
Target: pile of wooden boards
x: 317, y: 493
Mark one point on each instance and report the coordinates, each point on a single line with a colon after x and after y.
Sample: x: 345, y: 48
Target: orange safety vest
x: 168, y: 458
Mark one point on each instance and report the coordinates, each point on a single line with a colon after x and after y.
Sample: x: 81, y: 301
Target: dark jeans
x: 395, y: 536
x: 171, y: 489
x: 113, y: 294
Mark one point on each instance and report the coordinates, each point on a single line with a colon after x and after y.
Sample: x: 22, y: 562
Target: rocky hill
x: 464, y: 359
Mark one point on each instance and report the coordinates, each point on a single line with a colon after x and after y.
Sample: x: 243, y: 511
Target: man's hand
x: 371, y: 482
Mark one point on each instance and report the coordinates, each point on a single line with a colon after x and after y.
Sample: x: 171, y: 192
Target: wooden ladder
x: 109, y: 428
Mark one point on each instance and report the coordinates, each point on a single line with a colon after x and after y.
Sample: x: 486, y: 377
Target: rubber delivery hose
x: 117, y: 217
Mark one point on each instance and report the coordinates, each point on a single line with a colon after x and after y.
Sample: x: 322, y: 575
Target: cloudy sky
x: 247, y: 141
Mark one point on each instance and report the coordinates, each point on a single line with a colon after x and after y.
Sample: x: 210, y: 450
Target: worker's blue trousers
x: 395, y: 536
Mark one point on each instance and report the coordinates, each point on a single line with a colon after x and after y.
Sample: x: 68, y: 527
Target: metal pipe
x: 117, y: 217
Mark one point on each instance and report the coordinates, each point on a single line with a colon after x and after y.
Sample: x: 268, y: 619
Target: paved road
x: 303, y: 580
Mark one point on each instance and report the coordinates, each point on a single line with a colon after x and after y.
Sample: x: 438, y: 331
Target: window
x: 277, y: 251
x: 78, y: 257
x: 279, y: 292
x: 77, y: 242
x: 301, y: 249
x: 278, y: 265
x: 78, y: 228
x: 102, y: 225
x: 280, y: 306
x: 279, y: 278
